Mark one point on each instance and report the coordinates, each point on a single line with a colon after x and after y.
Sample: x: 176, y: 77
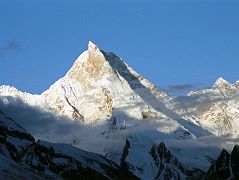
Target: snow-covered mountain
x: 102, y: 105
x: 215, y: 109
x: 99, y: 86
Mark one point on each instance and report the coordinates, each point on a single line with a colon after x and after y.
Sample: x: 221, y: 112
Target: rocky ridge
x: 44, y: 160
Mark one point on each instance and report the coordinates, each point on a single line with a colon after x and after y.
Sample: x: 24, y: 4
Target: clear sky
x: 177, y: 44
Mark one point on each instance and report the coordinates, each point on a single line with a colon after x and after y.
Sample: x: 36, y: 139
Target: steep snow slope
x: 215, y: 109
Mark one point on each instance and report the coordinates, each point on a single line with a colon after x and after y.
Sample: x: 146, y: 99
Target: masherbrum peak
x: 99, y: 86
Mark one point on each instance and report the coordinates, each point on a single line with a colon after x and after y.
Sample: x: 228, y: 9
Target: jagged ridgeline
x: 226, y: 166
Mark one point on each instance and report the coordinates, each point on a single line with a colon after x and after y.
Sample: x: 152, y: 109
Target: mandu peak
x: 104, y: 120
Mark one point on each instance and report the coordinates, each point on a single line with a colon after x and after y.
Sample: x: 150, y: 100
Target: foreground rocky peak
x: 149, y: 160
x: 226, y: 166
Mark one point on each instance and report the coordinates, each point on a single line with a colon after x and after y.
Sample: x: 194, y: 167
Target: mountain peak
x: 224, y: 84
x: 90, y: 67
x: 237, y: 84
x: 92, y: 46
x: 221, y: 81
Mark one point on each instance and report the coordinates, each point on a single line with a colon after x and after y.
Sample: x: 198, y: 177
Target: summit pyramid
x: 100, y: 85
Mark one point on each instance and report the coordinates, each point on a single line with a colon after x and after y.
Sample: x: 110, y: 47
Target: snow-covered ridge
x: 10, y: 91
x: 215, y: 109
x: 220, y: 86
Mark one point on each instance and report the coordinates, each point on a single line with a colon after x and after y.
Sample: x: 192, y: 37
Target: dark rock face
x: 125, y: 153
x: 226, y: 166
x: 235, y: 161
x: 42, y: 158
x: 196, y: 174
x: 84, y: 165
x: 50, y: 160
x: 169, y: 166
x: 10, y: 134
x: 220, y: 169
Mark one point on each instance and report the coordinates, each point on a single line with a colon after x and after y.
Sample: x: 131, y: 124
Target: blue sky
x: 176, y: 44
